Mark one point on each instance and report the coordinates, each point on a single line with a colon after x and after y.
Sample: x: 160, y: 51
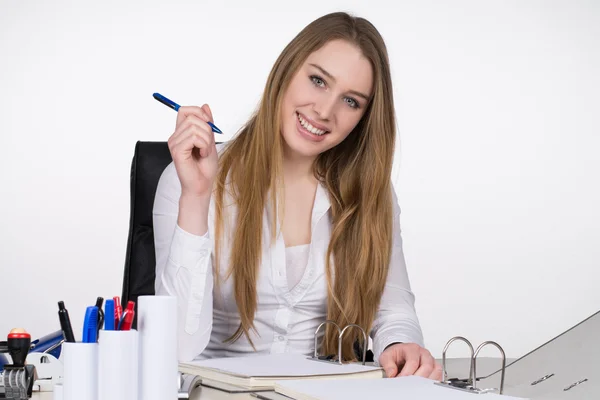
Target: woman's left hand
x: 403, y: 359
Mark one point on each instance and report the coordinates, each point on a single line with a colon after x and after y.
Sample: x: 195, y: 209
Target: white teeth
x: 309, y: 127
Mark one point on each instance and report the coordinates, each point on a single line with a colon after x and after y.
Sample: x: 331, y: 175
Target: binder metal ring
x: 503, y: 363
x: 471, y: 378
x: 340, y: 336
x: 316, y: 354
x: 470, y: 384
x: 364, y: 357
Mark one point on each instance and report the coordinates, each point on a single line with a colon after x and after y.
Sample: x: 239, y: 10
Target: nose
x: 325, y: 106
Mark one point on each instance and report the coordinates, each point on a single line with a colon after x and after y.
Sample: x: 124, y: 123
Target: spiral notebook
x: 260, y: 372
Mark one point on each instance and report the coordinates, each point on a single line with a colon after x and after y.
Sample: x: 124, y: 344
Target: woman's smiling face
x: 326, y: 98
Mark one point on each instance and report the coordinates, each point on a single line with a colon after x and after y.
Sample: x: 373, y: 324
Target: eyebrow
x: 327, y: 74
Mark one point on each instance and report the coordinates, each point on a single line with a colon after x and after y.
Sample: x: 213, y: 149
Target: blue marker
x: 175, y: 106
x: 109, y: 312
x: 90, y: 325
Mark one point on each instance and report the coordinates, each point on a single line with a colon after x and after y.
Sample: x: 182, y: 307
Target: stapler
x: 44, y: 354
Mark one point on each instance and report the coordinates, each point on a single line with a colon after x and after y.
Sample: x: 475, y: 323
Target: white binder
x: 566, y: 367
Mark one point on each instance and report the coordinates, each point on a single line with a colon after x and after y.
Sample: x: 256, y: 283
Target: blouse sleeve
x: 396, y: 319
x: 183, y: 268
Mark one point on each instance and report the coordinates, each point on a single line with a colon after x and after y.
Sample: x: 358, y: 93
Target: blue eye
x: 352, y: 103
x: 317, y: 81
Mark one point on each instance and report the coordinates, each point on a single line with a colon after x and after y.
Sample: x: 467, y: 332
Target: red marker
x: 128, y: 316
x: 118, y: 310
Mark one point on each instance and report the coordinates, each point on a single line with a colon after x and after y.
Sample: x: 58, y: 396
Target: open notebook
x: 408, y: 387
x: 261, y: 372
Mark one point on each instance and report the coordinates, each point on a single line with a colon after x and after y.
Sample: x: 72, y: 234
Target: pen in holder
x: 80, y: 380
x: 118, y: 365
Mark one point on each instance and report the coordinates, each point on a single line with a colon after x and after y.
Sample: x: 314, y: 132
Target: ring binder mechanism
x: 470, y: 384
x: 339, y: 359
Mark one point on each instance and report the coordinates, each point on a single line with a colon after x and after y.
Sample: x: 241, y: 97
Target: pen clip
x: 99, y: 302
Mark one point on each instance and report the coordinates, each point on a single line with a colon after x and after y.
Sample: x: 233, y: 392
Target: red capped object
x: 19, y: 335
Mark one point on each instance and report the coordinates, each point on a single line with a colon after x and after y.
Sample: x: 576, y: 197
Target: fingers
x: 208, y: 112
x: 193, y: 125
x: 188, y: 145
x: 436, y: 374
x: 199, y: 143
x: 388, y: 363
x: 192, y: 120
x: 204, y: 113
x: 412, y: 357
x: 192, y: 133
x: 427, y: 365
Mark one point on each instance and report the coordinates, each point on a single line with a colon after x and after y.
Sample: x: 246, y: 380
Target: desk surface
x: 457, y: 367
x: 201, y: 393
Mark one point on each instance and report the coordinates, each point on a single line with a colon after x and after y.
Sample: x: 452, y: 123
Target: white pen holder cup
x: 118, y: 365
x: 157, y: 324
x: 80, y: 374
x: 57, y: 391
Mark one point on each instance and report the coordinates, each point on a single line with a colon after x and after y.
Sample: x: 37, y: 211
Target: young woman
x: 295, y: 220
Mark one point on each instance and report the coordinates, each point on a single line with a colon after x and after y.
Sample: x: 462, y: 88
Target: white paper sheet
x: 274, y: 365
x: 409, y: 387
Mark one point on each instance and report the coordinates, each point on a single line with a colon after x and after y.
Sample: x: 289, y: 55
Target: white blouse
x: 296, y: 259
x: 291, y: 304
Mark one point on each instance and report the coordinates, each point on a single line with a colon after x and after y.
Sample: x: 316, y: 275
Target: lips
x: 311, y: 127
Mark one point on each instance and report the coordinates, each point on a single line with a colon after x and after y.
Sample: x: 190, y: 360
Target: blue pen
x: 109, y: 309
x: 90, y: 325
x: 175, y: 106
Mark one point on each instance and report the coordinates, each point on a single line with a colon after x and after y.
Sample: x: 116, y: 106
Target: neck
x: 296, y: 167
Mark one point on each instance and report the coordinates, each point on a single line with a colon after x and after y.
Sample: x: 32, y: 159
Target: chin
x: 299, y: 148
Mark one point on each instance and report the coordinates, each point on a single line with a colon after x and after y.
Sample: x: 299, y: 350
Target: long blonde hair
x: 356, y: 173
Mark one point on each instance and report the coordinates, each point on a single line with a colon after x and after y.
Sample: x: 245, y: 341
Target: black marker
x: 65, y: 322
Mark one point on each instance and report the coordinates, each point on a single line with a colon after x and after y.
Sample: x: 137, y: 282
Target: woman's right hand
x: 194, y: 152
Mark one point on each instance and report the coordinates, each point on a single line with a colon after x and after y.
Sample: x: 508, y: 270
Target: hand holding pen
x: 193, y: 148
x: 176, y: 107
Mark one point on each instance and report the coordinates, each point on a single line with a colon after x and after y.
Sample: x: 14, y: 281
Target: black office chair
x: 149, y: 161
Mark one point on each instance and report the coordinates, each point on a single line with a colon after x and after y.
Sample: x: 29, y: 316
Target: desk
x: 201, y: 393
x: 457, y: 367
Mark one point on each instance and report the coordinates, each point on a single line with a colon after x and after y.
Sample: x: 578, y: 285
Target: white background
x: 497, y: 167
